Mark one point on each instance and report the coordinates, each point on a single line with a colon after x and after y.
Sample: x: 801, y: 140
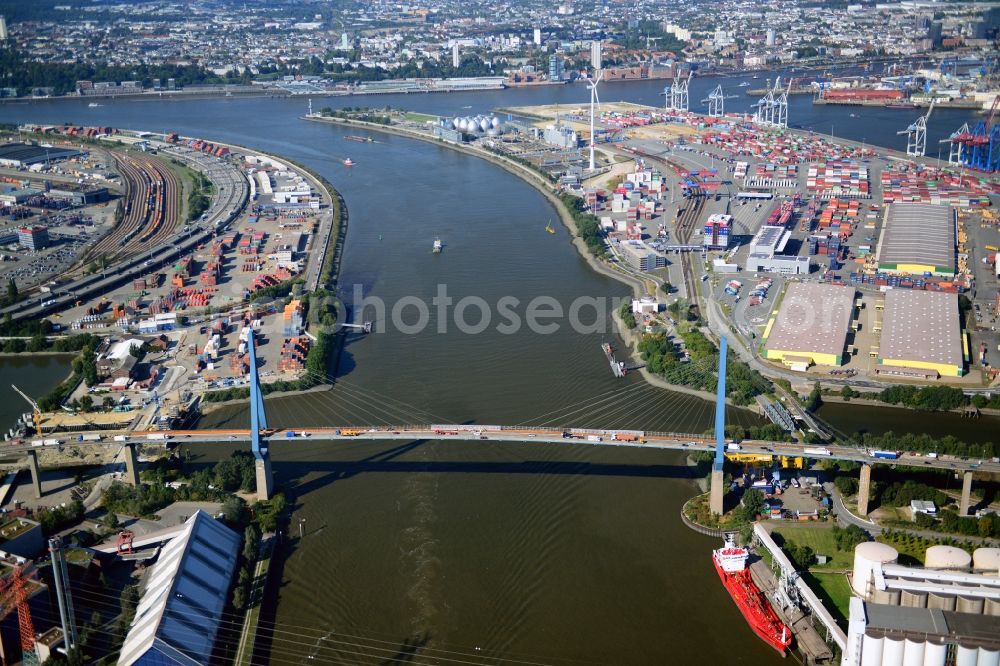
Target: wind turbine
x: 594, y: 99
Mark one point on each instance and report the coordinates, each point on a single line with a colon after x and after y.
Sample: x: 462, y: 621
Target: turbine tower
x: 716, y: 102
x: 916, y: 134
x: 594, y: 100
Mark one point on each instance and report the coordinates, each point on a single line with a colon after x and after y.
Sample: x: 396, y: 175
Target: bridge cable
x: 237, y: 620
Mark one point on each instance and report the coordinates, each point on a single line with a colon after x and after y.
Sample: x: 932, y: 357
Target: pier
x: 617, y: 367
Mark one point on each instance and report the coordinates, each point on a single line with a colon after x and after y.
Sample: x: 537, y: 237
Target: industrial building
x: 21, y: 537
x: 79, y: 196
x: 640, y: 256
x: 561, y: 136
x: 24, y: 154
x: 811, y: 325
x: 33, y: 238
x: 945, y: 613
x: 766, y: 250
x: 181, y: 608
x: 921, y: 335
x: 716, y: 231
x: 917, y: 239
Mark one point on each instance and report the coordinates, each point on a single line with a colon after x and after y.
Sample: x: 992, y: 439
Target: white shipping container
x: 120, y: 438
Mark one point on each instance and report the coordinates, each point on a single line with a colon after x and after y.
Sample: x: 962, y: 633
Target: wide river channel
x: 442, y: 552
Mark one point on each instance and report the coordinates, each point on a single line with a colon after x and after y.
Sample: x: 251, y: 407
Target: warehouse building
x: 921, y: 335
x: 23, y: 154
x: 181, y: 608
x: 766, y: 253
x: 917, y: 239
x: 640, y: 256
x: 811, y: 326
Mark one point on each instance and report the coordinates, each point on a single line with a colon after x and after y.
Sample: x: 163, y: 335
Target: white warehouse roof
x: 179, y: 613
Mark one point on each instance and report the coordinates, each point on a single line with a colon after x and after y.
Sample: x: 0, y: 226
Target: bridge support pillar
x: 717, y: 489
x: 717, y: 492
x: 864, y: 489
x: 265, y: 479
x: 963, y: 507
x: 36, y: 474
x: 258, y: 423
x: 131, y: 465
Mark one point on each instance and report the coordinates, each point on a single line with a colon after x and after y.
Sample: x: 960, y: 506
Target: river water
x: 36, y: 375
x: 497, y: 553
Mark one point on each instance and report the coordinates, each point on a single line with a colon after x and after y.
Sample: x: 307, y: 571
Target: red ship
x: 730, y: 561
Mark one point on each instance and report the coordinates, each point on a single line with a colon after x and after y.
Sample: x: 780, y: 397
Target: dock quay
x: 617, y: 367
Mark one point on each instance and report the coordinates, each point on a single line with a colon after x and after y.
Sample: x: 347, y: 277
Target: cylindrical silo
x: 992, y: 607
x: 867, y: 556
x: 972, y: 605
x: 912, y: 599
x: 934, y: 654
x: 986, y: 561
x: 941, y: 601
x: 913, y: 653
x: 871, y: 651
x: 949, y: 558
x: 988, y: 657
x: 887, y: 597
x: 966, y: 656
x: 892, y: 652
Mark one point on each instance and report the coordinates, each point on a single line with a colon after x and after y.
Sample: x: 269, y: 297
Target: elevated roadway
x: 513, y: 434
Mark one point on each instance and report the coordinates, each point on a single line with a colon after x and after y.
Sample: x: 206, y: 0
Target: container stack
x: 837, y: 179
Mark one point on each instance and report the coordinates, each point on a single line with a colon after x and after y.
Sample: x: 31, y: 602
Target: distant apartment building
x: 555, y: 68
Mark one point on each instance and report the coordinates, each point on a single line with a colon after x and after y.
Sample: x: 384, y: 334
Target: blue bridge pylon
x: 258, y: 428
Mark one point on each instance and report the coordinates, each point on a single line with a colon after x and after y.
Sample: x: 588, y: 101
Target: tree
x: 625, y: 312
x: 251, y: 543
x: 667, y: 287
x: 753, y: 503
x: 11, y: 291
x: 815, y: 398
x: 110, y: 520
x: 801, y: 556
x: 847, y: 485
x: 86, y: 403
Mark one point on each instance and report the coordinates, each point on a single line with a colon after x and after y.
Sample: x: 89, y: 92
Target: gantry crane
x: 36, y: 411
x: 916, y: 134
x: 14, y: 596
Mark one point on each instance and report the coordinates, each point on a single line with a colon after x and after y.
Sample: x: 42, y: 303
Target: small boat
x: 901, y: 106
x: 93, y: 105
x: 854, y: 115
x: 744, y: 84
x: 549, y: 228
x: 437, y: 246
x: 348, y: 162
x: 359, y: 139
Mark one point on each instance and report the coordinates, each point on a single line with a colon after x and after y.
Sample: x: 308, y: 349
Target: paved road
x: 510, y: 434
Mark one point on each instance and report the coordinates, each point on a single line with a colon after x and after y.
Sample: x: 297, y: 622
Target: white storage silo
x: 913, y: 653
x: 948, y: 558
x: 934, y: 654
x: 966, y: 656
x: 988, y: 657
x: 867, y: 556
x: 871, y: 651
x: 986, y: 561
x: 892, y: 652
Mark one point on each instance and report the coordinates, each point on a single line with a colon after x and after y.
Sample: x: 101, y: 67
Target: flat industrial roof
x: 813, y: 317
x: 921, y: 326
x: 967, y: 629
x: 917, y: 233
x: 772, y: 237
x: 30, y: 154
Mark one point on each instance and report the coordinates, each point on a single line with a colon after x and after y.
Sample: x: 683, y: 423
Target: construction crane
x: 982, y: 143
x: 14, y: 596
x: 716, y: 102
x: 36, y: 411
x: 916, y: 134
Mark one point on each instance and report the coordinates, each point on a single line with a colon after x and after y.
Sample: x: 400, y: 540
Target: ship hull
x: 756, y: 609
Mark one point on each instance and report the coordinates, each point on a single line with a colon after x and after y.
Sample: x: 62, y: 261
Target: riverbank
x: 877, y: 403
x: 539, y: 183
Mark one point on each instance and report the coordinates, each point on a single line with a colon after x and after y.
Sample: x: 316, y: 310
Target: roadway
x: 510, y: 434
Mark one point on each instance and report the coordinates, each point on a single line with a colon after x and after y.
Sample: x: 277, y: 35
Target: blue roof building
x: 181, y: 608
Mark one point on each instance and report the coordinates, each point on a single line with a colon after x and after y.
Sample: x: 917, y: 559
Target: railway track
x: 151, y: 209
